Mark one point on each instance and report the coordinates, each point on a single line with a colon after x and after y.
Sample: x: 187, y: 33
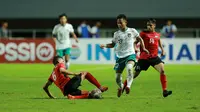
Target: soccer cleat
x: 103, y: 89
x: 166, y: 93
x: 119, y: 93
x: 127, y: 90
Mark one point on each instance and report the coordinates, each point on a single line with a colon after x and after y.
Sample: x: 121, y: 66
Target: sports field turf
x: 21, y: 90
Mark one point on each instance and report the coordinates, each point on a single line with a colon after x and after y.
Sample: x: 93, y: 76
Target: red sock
x: 163, y: 81
x: 125, y: 83
x: 84, y: 96
x: 92, y: 80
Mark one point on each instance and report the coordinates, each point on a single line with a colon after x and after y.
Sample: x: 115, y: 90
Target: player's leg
x: 71, y: 89
x: 141, y: 65
x: 136, y: 74
x: 78, y: 94
x: 130, y: 62
x: 129, y: 79
x: 93, y: 80
x: 67, y: 57
x: 163, y: 79
x: 119, y: 67
x: 118, y: 79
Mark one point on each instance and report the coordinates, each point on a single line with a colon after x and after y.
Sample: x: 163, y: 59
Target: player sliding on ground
x: 69, y: 86
x: 152, y: 41
x: 123, y: 42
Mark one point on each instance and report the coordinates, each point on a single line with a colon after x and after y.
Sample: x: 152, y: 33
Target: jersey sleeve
x: 71, y: 29
x: 135, y: 33
x: 54, y: 32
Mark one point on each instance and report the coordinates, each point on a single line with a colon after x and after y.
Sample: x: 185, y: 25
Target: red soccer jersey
x: 58, y: 78
x: 151, y: 43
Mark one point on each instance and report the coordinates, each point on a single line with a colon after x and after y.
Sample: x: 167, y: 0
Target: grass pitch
x: 21, y: 90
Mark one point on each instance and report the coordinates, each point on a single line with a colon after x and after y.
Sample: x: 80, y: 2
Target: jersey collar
x: 124, y: 30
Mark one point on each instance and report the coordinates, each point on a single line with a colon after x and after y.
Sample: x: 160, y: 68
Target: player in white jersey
x: 61, y: 36
x: 123, y: 41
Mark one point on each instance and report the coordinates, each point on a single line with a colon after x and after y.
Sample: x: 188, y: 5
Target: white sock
x: 119, y: 80
x: 129, y: 69
x: 67, y: 65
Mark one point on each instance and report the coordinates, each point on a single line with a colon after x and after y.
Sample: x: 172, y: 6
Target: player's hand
x: 163, y: 53
x: 102, y: 46
x: 145, y: 50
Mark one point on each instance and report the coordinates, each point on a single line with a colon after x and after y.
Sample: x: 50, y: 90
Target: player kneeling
x: 69, y: 86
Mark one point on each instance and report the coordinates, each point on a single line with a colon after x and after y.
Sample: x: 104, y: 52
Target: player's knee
x: 130, y: 76
x: 162, y: 72
x: 129, y: 66
x: 85, y: 73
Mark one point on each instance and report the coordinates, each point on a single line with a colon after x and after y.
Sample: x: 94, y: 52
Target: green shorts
x: 121, y: 62
x: 63, y: 52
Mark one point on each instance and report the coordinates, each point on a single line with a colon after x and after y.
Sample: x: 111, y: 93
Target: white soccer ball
x: 96, y: 94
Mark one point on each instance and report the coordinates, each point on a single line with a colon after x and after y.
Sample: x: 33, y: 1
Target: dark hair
x: 151, y: 20
x: 55, y: 59
x: 122, y: 16
x: 62, y: 15
x: 4, y: 21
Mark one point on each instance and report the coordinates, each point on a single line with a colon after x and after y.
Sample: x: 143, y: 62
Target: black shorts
x: 72, y: 86
x: 143, y: 64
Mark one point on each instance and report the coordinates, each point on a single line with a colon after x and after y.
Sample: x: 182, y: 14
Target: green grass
x: 21, y: 90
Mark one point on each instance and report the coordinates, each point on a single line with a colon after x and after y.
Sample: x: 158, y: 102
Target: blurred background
x: 178, y: 21
x: 32, y: 19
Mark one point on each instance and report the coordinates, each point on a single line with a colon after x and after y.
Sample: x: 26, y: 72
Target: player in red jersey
x: 152, y: 42
x: 69, y: 86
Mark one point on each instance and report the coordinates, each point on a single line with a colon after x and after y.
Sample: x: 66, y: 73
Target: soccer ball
x: 96, y: 94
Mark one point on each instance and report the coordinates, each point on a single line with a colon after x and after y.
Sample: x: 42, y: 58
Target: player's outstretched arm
x: 111, y: 45
x: 64, y: 71
x: 74, y: 36
x: 161, y: 47
x: 142, y: 44
x: 46, y: 89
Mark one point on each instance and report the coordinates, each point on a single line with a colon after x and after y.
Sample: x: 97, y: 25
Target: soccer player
x: 152, y: 41
x: 123, y: 42
x: 61, y: 36
x: 69, y: 86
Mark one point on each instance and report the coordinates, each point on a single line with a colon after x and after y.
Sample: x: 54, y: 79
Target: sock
x: 119, y: 80
x: 129, y: 69
x: 163, y: 81
x: 125, y: 83
x: 67, y: 65
x: 79, y: 96
x: 92, y: 80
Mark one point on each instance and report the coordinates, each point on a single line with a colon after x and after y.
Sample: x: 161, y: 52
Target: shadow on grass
x: 63, y: 98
